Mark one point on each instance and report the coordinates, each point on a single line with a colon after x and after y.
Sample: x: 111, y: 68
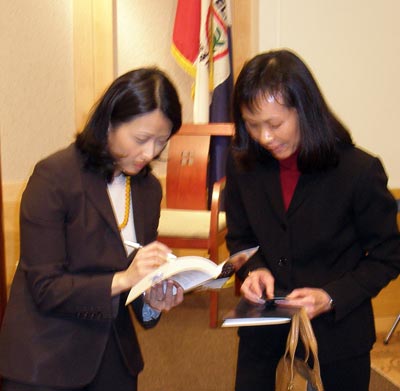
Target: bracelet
x: 331, y: 304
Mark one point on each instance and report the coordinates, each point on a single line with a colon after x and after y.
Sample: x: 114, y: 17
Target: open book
x: 250, y: 314
x: 192, y: 272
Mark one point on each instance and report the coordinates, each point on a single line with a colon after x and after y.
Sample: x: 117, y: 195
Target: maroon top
x: 289, y: 175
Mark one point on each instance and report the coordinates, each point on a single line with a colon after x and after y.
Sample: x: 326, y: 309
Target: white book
x: 192, y: 272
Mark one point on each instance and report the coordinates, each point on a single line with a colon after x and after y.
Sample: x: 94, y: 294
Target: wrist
x: 119, y: 283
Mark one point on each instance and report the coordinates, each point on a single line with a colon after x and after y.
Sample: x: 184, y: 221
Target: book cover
x: 251, y: 314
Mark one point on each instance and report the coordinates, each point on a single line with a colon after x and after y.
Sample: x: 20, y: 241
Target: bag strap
x: 291, y: 344
x: 310, y: 344
x: 300, y: 324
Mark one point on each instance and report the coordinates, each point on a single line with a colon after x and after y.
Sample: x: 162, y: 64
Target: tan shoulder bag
x: 292, y: 373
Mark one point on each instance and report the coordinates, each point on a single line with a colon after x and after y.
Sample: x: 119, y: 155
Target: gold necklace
x: 127, y: 203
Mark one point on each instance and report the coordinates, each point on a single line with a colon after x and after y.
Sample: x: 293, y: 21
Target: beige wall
x: 36, y: 82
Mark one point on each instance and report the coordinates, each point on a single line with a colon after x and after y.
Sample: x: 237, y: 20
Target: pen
x: 136, y: 246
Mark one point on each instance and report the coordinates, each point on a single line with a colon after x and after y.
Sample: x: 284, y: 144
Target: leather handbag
x: 294, y: 373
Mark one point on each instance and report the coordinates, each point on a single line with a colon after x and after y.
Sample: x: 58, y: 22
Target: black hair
x: 137, y: 92
x: 283, y: 75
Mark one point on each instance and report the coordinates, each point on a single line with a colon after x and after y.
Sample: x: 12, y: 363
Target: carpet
x: 182, y: 353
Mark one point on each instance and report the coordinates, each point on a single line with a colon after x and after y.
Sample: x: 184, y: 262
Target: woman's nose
x: 266, y: 136
x: 149, y: 150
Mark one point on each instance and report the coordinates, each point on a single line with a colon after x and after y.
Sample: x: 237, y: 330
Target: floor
x: 385, y: 359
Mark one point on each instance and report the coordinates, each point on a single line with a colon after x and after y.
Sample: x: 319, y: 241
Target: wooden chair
x: 187, y: 222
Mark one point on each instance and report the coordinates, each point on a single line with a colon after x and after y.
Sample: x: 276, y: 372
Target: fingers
x: 314, y: 300
x: 164, y: 296
x: 149, y: 258
x: 258, y: 286
x: 156, y: 251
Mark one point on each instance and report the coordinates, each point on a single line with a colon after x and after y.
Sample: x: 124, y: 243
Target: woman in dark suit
x: 66, y: 324
x: 319, y: 209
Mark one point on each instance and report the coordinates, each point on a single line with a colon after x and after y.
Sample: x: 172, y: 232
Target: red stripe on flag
x: 186, y: 34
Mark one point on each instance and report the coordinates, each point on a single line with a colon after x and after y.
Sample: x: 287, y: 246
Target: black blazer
x: 339, y: 234
x: 60, y: 313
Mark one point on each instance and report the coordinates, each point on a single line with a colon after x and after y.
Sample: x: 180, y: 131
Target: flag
x: 202, y: 46
x: 220, y: 108
x: 186, y: 35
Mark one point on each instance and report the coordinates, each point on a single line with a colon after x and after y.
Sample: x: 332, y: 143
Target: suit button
x: 282, y: 262
x: 284, y: 227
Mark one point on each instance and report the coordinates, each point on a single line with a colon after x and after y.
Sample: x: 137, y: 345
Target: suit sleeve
x: 374, y: 215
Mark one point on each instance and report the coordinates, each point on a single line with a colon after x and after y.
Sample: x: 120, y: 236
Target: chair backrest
x: 187, y: 167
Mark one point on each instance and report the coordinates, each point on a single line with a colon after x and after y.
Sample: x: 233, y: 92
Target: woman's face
x: 136, y: 143
x: 274, y: 126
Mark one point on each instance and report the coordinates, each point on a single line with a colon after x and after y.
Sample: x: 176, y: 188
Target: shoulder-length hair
x: 135, y: 93
x: 283, y: 75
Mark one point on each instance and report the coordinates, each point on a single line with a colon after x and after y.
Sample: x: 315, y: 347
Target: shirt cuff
x: 149, y: 313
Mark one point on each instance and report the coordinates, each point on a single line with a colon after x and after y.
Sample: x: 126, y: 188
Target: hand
x: 146, y: 260
x: 315, y: 301
x: 258, y: 285
x: 164, y: 296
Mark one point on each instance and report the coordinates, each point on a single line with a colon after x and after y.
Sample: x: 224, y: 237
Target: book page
x: 188, y: 271
x: 191, y: 279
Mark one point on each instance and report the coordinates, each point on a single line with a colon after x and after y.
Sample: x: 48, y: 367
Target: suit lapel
x: 302, y: 190
x: 138, y: 204
x: 267, y: 177
x: 96, y: 190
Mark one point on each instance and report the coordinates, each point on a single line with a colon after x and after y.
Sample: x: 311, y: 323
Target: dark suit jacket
x: 339, y: 234
x: 60, y: 313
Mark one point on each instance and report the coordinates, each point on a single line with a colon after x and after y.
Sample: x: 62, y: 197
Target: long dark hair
x: 281, y: 73
x: 136, y: 92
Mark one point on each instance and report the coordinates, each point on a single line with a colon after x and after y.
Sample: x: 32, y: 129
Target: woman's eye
x: 275, y: 126
x: 161, y: 143
x: 251, y: 125
x: 141, y: 141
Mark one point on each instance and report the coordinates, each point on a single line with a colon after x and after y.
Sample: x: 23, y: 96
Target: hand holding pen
x: 136, y: 246
x: 165, y: 295
x: 147, y: 259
